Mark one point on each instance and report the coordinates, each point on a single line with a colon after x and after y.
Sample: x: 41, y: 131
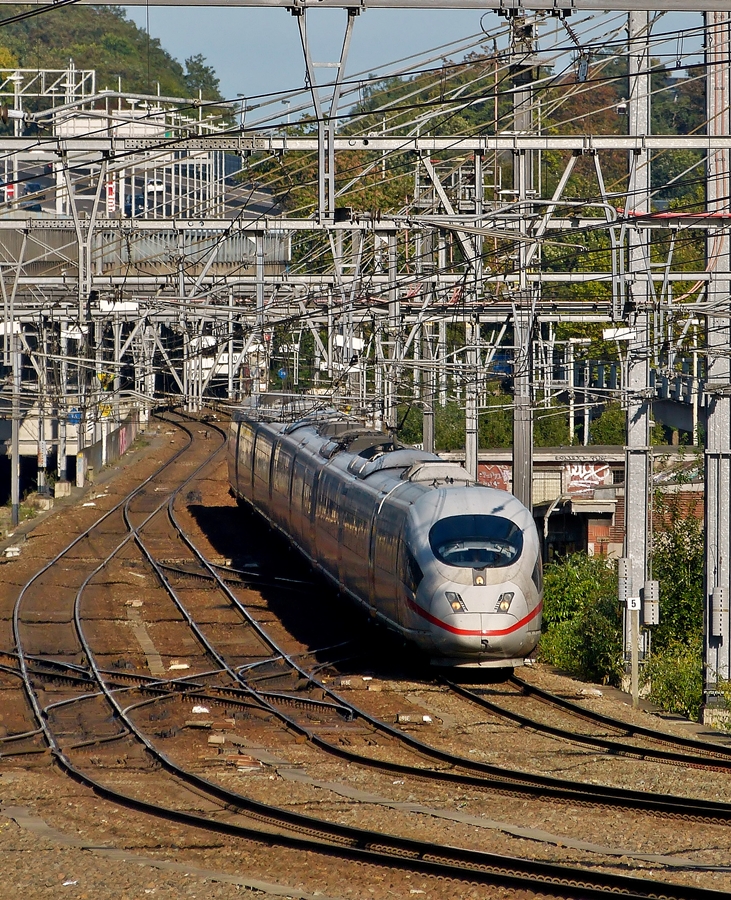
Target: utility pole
x: 430, y: 387
x: 523, y: 317
x: 471, y: 398
x: 394, y: 334
x: 42, y: 455
x: 637, y: 482
x: 472, y: 328
x: 718, y: 382
x: 15, y: 432
x: 63, y: 401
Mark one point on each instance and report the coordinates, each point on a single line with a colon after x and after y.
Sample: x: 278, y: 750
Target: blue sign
x: 282, y: 374
x: 74, y: 417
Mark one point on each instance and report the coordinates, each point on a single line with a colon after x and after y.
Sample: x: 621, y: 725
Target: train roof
x: 365, y: 451
x: 400, y: 458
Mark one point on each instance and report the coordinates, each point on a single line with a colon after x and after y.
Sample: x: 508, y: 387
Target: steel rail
x: 388, y: 850
x: 586, y: 885
x: 498, y: 777
x: 465, y: 864
x: 627, y: 728
x: 176, y: 688
x: 425, y: 857
x: 605, y: 744
x: 22, y: 658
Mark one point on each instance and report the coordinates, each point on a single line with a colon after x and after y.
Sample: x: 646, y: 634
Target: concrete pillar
x: 718, y: 383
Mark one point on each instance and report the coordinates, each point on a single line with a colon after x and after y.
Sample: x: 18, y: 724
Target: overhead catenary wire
x: 447, y: 268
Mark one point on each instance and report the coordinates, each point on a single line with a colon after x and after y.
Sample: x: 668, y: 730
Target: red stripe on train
x: 470, y: 632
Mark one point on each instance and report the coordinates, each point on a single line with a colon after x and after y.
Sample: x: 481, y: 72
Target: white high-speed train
x: 452, y: 565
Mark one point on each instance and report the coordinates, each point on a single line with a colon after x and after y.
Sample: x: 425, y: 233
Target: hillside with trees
x: 102, y: 38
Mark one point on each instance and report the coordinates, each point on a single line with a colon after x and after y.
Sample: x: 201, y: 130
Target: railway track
x: 685, y: 751
x: 97, y: 690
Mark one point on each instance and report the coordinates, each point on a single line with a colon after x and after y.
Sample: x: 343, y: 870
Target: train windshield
x: 476, y: 541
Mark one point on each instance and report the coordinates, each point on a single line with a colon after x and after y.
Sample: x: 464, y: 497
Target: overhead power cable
x: 38, y: 11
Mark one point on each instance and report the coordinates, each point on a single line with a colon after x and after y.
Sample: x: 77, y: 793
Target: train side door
x: 357, y: 507
x: 410, y: 577
x: 280, y: 479
x: 233, y: 455
x: 262, y: 470
x: 298, y: 516
x: 245, y: 460
x: 326, y: 516
x: 309, y: 497
x: 385, y: 550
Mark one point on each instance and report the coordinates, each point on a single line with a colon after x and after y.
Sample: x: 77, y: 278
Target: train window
x: 537, y: 575
x: 246, y: 442
x: 281, y: 470
x: 414, y: 574
x: 386, y: 546
x: 476, y: 541
x: 262, y: 457
x: 307, y: 482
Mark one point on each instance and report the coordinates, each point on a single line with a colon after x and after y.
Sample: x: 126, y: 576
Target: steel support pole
x: 394, y: 334
x: 15, y: 432
x: 230, y: 367
x: 587, y: 408
x: 148, y: 341
x: 472, y: 422
x: 718, y: 383
x: 637, y: 484
x: 430, y: 389
x: 96, y: 391
x: 42, y: 455
x: 260, y: 383
x: 571, y: 377
x: 117, y: 332
x: 186, y: 368
x: 326, y: 113
x: 471, y: 392
x: 63, y: 403
x: 523, y: 316
x: 379, y: 398
x: 442, y: 363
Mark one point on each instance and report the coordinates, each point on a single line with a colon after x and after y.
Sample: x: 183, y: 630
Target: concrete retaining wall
x: 92, y: 460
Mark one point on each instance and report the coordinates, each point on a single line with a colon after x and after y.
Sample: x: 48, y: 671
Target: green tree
x: 201, y: 77
x: 610, y: 427
x: 674, y: 675
x: 674, y: 671
x: 496, y: 422
x: 100, y: 38
x: 551, y: 427
x: 677, y: 563
x: 449, y: 427
x: 582, y: 631
x: 411, y: 420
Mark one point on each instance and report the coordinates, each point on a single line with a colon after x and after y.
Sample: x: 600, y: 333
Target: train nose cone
x: 487, y: 623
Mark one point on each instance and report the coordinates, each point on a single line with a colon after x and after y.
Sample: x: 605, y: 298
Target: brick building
x: 578, y: 492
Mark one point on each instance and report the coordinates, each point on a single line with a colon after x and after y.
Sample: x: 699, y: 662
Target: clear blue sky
x: 255, y: 51
x: 258, y: 50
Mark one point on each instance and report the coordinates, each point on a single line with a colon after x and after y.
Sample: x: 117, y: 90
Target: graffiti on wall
x: 583, y: 478
x: 495, y: 476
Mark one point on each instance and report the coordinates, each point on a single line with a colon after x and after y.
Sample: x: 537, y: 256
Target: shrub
x: 610, y: 427
x: 675, y: 676
x: 674, y: 670
x: 581, y: 618
x: 677, y: 563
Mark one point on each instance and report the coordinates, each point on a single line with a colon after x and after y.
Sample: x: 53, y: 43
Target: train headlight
x: 455, y: 601
x: 504, y: 601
